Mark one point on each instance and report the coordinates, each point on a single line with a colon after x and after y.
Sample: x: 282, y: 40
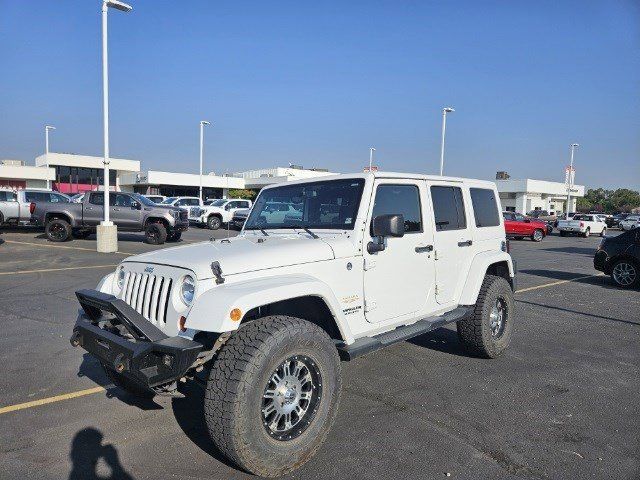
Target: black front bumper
x: 150, y: 358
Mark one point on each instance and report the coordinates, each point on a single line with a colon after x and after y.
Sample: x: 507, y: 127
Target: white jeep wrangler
x: 352, y: 264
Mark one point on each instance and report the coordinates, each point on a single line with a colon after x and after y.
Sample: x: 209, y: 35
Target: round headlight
x: 121, y: 276
x: 188, y: 289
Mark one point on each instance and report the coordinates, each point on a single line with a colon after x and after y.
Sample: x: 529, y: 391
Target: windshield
x: 332, y: 204
x: 143, y: 200
x: 217, y: 203
x: 169, y: 200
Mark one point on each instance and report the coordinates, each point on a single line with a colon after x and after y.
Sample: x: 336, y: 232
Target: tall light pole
x: 371, y: 150
x: 108, y: 233
x: 570, y: 179
x: 445, y: 110
x: 202, y: 124
x: 46, y: 150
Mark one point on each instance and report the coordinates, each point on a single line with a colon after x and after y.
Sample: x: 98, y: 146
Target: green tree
x: 609, y: 201
x: 244, y: 193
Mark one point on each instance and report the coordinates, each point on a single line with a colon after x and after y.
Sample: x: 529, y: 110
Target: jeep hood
x: 240, y: 254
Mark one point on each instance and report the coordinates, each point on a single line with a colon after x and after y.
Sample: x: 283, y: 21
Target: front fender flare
x: 479, y: 265
x: 210, y: 311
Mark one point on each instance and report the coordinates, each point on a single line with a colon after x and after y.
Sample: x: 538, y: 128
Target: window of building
x: 485, y: 207
x: 399, y: 199
x: 448, y: 208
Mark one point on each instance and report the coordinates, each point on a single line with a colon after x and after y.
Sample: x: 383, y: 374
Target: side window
x: 4, y: 197
x: 508, y: 216
x: 180, y: 203
x: 194, y: 201
x: 56, y: 197
x: 519, y: 218
x: 448, y: 208
x: 97, y: 199
x: 400, y: 199
x: 244, y: 205
x: 120, y: 200
x: 485, y: 207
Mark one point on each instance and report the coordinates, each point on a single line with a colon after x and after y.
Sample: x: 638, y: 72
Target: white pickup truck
x: 584, y: 225
x: 323, y: 270
x: 219, y: 212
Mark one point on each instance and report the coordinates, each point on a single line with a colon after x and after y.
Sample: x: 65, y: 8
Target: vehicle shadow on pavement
x: 588, y: 251
x: 87, y: 451
x: 585, y: 314
x: 91, y: 368
x: 189, y: 413
x: 560, y: 275
x: 443, y: 340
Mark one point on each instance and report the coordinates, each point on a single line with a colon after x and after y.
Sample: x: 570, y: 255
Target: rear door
x: 399, y: 281
x: 123, y: 213
x: 93, y: 209
x: 452, y: 238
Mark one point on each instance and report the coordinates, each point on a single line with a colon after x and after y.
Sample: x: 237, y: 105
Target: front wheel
x: 586, y: 233
x: 155, y: 234
x: 624, y: 273
x: 214, y: 222
x: 537, y: 236
x: 487, y: 331
x: 272, y: 394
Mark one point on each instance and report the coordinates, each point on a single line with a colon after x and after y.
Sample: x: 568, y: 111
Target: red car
x: 518, y: 226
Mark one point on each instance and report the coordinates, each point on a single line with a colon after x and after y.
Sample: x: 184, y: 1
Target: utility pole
x: 445, y: 110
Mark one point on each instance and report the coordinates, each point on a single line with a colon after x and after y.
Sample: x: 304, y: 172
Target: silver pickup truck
x: 15, y: 206
x: 129, y: 211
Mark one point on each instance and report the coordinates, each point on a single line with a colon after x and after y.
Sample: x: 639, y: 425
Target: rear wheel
x: 537, y: 235
x: 272, y: 394
x: 625, y: 274
x: 58, y: 230
x: 155, y: 234
x: 487, y: 331
x: 586, y: 233
x: 214, y: 222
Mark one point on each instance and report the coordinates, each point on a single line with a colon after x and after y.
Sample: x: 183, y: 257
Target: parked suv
x: 263, y: 319
x: 129, y: 211
x: 15, y: 205
x: 219, y: 212
x: 620, y: 257
x: 191, y: 205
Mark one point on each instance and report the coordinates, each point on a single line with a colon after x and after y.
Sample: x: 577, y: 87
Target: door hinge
x: 435, y: 254
x: 369, y: 263
x: 437, y: 290
x: 369, y: 305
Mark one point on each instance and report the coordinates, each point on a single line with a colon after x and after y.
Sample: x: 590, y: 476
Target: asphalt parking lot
x: 562, y: 403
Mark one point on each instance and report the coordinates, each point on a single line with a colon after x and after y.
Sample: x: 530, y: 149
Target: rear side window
x: 7, y: 196
x: 400, y: 199
x: 448, y: 208
x: 36, y: 196
x: 485, y: 207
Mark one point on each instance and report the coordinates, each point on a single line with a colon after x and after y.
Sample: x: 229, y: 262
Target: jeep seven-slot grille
x: 148, y: 294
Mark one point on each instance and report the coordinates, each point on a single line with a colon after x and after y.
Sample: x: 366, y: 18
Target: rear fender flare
x: 211, y: 309
x: 479, y: 266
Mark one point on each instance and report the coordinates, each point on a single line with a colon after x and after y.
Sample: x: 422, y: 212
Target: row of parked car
x: 160, y: 218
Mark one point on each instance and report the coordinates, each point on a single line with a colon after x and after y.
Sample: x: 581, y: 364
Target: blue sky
x: 317, y: 83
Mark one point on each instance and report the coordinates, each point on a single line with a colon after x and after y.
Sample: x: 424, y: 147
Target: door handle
x: 427, y: 248
x: 467, y: 243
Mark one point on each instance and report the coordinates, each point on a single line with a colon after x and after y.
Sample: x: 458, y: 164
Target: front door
x: 452, y: 238
x: 398, y: 281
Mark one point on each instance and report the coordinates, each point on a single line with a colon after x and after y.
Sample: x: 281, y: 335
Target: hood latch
x: 217, y: 272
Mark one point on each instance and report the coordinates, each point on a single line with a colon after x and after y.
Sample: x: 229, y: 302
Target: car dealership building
x: 528, y: 194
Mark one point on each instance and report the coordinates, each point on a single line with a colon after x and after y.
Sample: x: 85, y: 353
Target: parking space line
x: 62, y: 246
x: 559, y: 282
x: 45, y: 401
x: 44, y: 270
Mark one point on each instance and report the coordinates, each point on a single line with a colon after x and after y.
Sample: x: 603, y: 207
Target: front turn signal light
x: 235, y: 315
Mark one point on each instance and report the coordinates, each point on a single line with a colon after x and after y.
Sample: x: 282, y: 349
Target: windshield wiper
x: 310, y: 232
x: 264, y: 232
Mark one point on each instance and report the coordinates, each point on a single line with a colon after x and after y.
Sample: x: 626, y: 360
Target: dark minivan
x: 620, y: 257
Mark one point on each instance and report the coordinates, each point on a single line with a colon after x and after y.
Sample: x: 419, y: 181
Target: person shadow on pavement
x: 87, y: 450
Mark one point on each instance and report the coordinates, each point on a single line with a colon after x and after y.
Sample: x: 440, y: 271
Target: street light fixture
x: 107, y: 232
x: 371, y: 150
x: 46, y: 150
x: 202, y: 124
x: 570, y: 178
x: 445, y: 110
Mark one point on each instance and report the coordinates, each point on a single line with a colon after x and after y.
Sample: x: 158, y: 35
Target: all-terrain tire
x: 127, y: 385
x: 214, y: 222
x: 58, y: 230
x: 155, y: 234
x: 239, y: 379
x: 475, y: 331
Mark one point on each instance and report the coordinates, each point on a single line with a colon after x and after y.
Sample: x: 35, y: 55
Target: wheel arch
x: 486, y: 263
x: 59, y: 216
x: 156, y: 220
x: 296, y: 295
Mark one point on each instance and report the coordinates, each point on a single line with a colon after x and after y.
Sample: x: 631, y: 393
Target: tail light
x: 32, y: 208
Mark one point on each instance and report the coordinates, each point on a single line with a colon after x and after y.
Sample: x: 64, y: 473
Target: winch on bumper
x: 149, y: 357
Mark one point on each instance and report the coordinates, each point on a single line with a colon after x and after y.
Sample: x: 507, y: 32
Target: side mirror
x: 382, y: 226
x: 136, y: 206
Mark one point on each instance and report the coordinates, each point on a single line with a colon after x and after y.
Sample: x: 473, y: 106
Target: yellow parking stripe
x: 44, y: 270
x: 62, y: 246
x: 559, y: 282
x: 57, y: 398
